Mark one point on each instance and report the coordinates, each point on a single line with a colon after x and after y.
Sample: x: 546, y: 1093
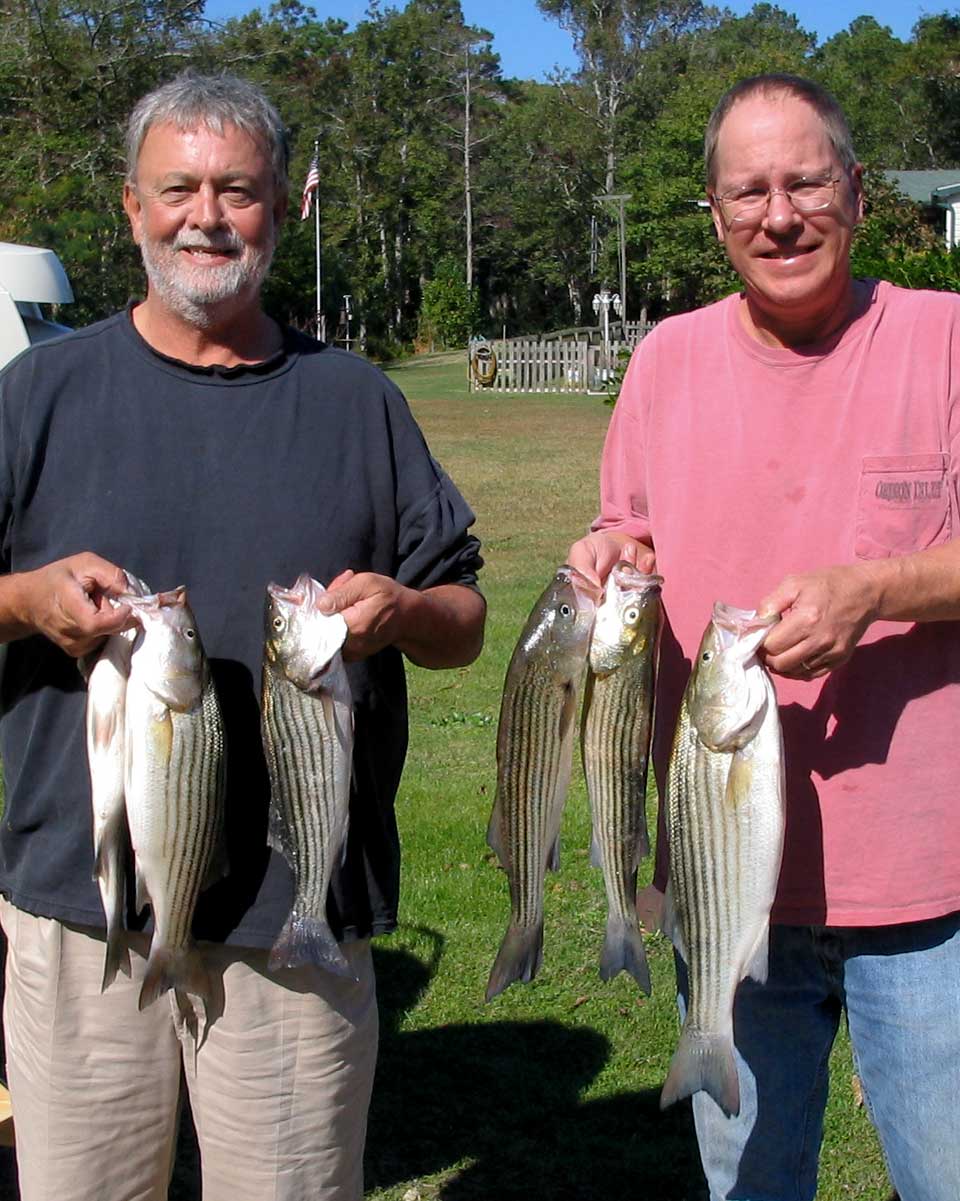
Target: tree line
x: 454, y: 199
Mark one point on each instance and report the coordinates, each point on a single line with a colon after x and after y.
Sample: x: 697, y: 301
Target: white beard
x: 196, y: 293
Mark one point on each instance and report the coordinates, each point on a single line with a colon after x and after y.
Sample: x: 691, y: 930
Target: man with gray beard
x: 193, y: 440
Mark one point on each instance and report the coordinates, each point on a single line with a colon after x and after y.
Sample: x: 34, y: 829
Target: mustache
x: 229, y: 240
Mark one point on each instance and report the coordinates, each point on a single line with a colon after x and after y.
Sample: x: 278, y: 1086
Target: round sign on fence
x: 483, y: 363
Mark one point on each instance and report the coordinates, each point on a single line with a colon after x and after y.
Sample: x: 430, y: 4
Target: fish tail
x: 519, y: 958
x: 183, y: 970
x: 704, y: 1062
x: 304, y: 940
x: 623, y: 951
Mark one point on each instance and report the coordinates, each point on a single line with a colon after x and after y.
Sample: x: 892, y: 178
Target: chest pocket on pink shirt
x: 903, y: 505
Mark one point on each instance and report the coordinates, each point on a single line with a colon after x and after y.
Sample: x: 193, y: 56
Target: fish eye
x: 706, y: 656
x: 565, y: 610
x: 278, y: 624
x: 188, y: 633
x: 631, y: 614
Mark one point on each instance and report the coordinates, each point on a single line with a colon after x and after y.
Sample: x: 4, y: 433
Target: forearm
x: 15, y: 621
x: 441, y: 626
x: 825, y: 613
x: 924, y: 586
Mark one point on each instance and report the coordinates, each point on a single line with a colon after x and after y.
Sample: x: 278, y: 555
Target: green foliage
x: 895, y: 242
x: 450, y: 311
x: 427, y: 154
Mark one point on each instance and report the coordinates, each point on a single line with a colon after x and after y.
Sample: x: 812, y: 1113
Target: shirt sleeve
x: 433, y: 543
x: 623, y: 489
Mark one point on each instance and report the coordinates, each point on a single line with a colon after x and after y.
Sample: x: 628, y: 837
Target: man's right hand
x: 598, y: 553
x: 66, y: 601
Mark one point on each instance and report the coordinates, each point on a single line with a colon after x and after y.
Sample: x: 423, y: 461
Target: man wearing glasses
x: 794, y: 448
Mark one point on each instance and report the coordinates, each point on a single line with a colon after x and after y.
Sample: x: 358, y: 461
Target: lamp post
x: 603, y: 301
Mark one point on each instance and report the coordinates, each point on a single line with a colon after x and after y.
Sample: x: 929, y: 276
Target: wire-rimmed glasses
x: 808, y: 194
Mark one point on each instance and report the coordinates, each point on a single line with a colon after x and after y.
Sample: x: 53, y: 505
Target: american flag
x: 309, y: 189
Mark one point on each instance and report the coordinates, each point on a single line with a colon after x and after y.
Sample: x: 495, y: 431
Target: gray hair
x: 819, y: 99
x: 213, y: 101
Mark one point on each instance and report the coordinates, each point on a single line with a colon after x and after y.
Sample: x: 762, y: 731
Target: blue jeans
x: 900, y: 986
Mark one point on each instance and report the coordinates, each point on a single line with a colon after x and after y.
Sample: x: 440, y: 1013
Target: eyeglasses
x: 807, y: 195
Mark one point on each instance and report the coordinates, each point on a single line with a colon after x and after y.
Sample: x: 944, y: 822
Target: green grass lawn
x: 552, y: 1090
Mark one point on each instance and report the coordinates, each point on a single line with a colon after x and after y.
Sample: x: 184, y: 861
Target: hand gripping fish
x: 725, y: 822
x: 106, y: 674
x: 174, y: 785
x: 615, y: 742
x: 534, y: 759
x: 307, y: 727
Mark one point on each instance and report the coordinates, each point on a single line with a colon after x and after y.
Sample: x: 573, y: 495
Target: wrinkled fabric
x: 745, y: 463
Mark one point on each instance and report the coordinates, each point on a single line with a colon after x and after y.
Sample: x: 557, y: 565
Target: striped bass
x: 106, y: 679
x: 615, y: 743
x: 174, y: 786
x: 725, y: 822
x: 534, y: 761
x: 307, y: 726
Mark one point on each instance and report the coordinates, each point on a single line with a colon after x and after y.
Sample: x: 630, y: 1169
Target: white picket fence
x: 569, y: 361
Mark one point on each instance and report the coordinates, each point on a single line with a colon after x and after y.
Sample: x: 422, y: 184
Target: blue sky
x: 530, y: 45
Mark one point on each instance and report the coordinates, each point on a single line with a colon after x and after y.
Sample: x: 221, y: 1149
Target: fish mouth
x: 629, y: 578
x: 587, y: 593
x: 733, y: 624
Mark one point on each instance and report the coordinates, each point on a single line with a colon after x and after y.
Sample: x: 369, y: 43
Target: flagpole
x: 321, y: 319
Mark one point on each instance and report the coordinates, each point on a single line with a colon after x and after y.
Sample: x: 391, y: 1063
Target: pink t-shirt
x: 744, y: 463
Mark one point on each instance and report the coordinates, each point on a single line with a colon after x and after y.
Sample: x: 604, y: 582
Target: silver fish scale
x: 184, y: 814
x: 616, y: 736
x: 308, y: 820
x: 533, y: 761
x: 718, y: 854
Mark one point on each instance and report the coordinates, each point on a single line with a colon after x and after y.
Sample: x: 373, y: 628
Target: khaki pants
x: 279, y: 1087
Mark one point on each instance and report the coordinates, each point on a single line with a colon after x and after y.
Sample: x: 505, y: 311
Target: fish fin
x: 703, y: 1063
x: 739, y: 780
x: 142, y: 899
x: 623, y: 951
x: 553, y: 856
x: 115, y: 959
x: 184, y: 970
x: 519, y: 958
x: 304, y: 940
x: 566, y: 730
x: 278, y: 833
x: 670, y: 923
x: 219, y: 865
x: 110, y: 874
x: 596, y: 855
x: 758, y: 961
x: 494, y: 839
x: 642, y: 848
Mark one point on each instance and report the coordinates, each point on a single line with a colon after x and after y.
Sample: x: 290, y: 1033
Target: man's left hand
x: 440, y: 626
x: 823, y: 616
x: 370, y: 605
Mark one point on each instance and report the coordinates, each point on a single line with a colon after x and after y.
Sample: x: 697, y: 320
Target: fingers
x: 823, y: 616
x: 68, y: 602
x: 595, y: 555
x: 370, y: 605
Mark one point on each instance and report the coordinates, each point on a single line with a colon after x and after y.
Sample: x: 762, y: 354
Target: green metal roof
x: 922, y: 186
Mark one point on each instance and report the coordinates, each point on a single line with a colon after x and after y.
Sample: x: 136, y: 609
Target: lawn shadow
x: 506, y: 1097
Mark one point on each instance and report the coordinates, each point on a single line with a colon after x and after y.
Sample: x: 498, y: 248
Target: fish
x: 534, y: 762
x: 174, y: 784
x: 307, y: 728
x: 615, y: 744
x: 725, y: 825
x: 106, y: 674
